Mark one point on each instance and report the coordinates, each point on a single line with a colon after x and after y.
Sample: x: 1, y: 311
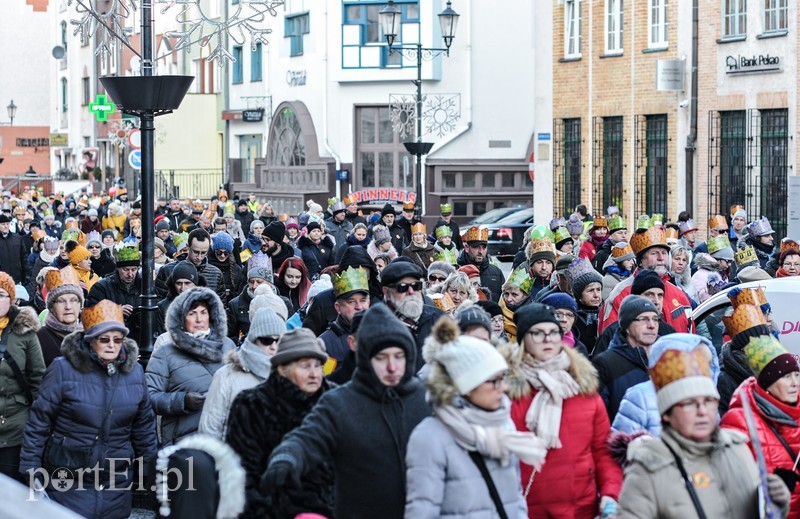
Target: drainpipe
x: 226, y: 101
x: 692, y: 137
x: 328, y: 147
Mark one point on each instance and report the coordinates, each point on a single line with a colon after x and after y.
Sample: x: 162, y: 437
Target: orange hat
x: 470, y: 270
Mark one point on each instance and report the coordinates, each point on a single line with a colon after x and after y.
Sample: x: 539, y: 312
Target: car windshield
x: 517, y: 217
x: 494, y: 215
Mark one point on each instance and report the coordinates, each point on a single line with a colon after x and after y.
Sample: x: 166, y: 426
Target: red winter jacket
x: 587, y: 250
x: 568, y: 485
x: 775, y: 454
x: 674, y: 312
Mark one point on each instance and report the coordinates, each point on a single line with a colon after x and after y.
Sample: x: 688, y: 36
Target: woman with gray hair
x: 458, y: 286
x: 680, y: 268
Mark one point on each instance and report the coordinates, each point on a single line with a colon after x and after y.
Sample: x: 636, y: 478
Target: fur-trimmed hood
x: 79, y: 353
x: 23, y: 320
x: 580, y: 368
x: 706, y: 262
x: 210, y: 348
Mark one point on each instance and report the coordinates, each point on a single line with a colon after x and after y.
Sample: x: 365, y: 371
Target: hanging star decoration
x: 104, y: 18
x: 199, y: 27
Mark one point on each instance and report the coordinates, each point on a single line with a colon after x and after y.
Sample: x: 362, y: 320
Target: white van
x: 783, y: 294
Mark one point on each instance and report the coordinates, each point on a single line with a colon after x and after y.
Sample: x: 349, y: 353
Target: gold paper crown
x: 788, y: 243
x: 671, y: 233
x: 674, y: 365
x: 717, y: 221
x: 66, y: 276
x: 618, y: 252
x: 520, y: 277
x: 539, y: 245
x: 350, y: 280
x: 443, y: 302
x: 735, y: 208
x: 103, y: 311
x: 718, y: 243
x: 745, y: 256
x: 476, y: 234
x: 418, y: 228
x: 599, y: 221
x: 408, y: 206
x: 222, y: 193
x: 71, y: 224
x: 38, y: 234
x: 349, y: 200
x: 749, y: 296
x: 653, y: 236
x: 743, y: 318
x: 447, y: 255
x: 198, y: 205
x: 762, y: 350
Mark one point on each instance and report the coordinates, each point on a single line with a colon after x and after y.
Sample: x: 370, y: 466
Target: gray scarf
x: 255, y: 360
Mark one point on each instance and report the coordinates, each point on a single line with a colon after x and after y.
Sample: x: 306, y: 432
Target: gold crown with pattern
x: 351, y: 279
x: 540, y: 245
x: 676, y: 364
x: 742, y: 318
x: 788, y: 243
x: 38, y: 234
x: 443, y: 302
x: 408, y: 206
x: 718, y: 243
x: 624, y: 250
x: 717, y: 222
x: 66, y: 276
x: 748, y: 296
x: 745, y: 256
x: 599, y: 221
x: 672, y: 233
x: 103, y: 311
x: 418, y: 228
x: 651, y: 237
x: 475, y: 233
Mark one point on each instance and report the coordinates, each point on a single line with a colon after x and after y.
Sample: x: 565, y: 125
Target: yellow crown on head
x: 540, y: 245
x: 718, y: 243
x: 103, y: 311
x: 749, y: 296
x: 443, y: 302
x: 674, y: 365
x: 743, y: 318
x: 418, y: 228
x: 643, y: 240
x: 745, y: 256
x: 476, y: 234
x: 350, y: 280
x: 717, y: 221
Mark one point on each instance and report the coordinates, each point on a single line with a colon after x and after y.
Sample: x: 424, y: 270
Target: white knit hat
x: 266, y: 298
x: 470, y: 362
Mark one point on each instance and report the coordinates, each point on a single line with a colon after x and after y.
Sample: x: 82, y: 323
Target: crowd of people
x: 346, y: 364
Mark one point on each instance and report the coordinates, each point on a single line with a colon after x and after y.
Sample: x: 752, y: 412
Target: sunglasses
x: 221, y: 252
x: 402, y: 288
x: 268, y: 341
x: 436, y: 279
x: 106, y: 340
x: 94, y: 246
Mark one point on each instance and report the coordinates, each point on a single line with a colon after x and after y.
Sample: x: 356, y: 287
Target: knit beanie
x: 388, y: 209
x: 492, y: 308
x: 769, y: 360
x: 531, y: 314
x: 265, y: 323
x: 184, y: 270
x: 256, y: 223
x: 162, y: 225
x: 56, y: 292
x: 76, y: 252
x: 575, y: 224
x: 470, y: 362
x: 680, y: 366
x: 222, y: 241
x: 741, y: 213
x: 323, y: 283
x: 313, y: 207
x: 473, y: 315
x: 381, y: 329
x: 107, y: 232
x: 632, y: 307
x: 7, y: 284
x: 441, y: 267
x: 265, y: 297
x: 158, y: 243
x: 275, y: 231
x: 645, y: 280
x: 561, y: 300
x: 580, y: 283
x: 300, y: 343
x: 312, y: 225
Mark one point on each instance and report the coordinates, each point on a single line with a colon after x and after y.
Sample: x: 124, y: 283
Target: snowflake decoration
x: 105, y: 18
x: 440, y: 113
x: 210, y: 32
x: 119, y: 131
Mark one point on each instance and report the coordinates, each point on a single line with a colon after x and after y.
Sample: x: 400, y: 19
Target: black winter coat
x: 237, y: 312
x: 212, y: 276
x: 72, y: 405
x: 104, y: 265
x: 113, y: 289
x: 734, y: 369
x: 14, y: 257
x: 491, y: 275
x: 259, y: 419
x: 316, y: 256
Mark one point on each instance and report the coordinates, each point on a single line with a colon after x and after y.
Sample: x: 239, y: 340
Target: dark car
x: 506, y: 235
x: 492, y: 216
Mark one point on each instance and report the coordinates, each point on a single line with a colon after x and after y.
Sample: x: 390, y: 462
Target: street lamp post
x: 12, y: 111
x: 390, y: 18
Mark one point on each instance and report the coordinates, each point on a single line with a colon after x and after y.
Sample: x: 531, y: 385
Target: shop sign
x: 756, y: 64
x: 252, y: 116
x: 33, y: 143
x: 384, y: 195
x: 296, y: 77
x: 59, y: 140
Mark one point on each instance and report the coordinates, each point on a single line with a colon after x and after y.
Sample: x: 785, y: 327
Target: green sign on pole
x: 101, y: 107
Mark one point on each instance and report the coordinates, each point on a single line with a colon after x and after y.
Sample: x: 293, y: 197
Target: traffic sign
x: 135, y: 138
x: 135, y: 159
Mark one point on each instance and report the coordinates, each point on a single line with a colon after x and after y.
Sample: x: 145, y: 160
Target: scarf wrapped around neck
x: 59, y: 328
x: 490, y: 433
x: 553, y: 384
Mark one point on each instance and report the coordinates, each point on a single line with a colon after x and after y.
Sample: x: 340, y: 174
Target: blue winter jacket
x: 619, y: 368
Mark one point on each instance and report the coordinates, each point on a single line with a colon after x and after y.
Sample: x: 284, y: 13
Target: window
x: 657, y: 24
x: 255, y: 63
x: 295, y: 27
x: 612, y: 164
x: 87, y: 91
x: 287, y: 146
x: 380, y: 154
x: 572, y: 28
x: 237, y: 75
x: 652, y: 164
x: 774, y: 132
x: 613, y: 27
x: 363, y: 44
x: 776, y: 15
x: 566, y: 165
x: 64, y: 95
x: 732, y: 158
x: 734, y: 18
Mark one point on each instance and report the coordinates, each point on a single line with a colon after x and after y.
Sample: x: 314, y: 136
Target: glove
x: 789, y: 477
x: 608, y: 507
x: 278, y: 475
x: 778, y: 492
x: 194, y: 401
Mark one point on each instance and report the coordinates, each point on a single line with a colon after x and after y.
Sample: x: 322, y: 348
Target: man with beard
x: 351, y: 289
x: 402, y: 292
x: 337, y: 226
x: 351, y: 211
x: 199, y: 246
x: 122, y: 287
x: 476, y: 241
x: 652, y: 253
x: 399, y: 238
x: 175, y: 215
x: 275, y: 237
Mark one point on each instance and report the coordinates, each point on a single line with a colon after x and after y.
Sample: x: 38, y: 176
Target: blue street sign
x: 135, y: 159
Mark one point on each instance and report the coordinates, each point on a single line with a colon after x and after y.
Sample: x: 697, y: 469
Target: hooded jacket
x: 491, y: 275
x: 316, y: 256
x: 619, y: 368
x: 707, y: 271
x: 72, y: 405
x: 366, y: 448
x: 573, y: 475
x: 185, y: 364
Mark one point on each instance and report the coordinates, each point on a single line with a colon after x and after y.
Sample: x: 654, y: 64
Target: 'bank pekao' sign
x: 756, y: 64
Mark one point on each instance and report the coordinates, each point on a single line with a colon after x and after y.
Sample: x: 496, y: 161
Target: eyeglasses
x: 788, y: 264
x: 70, y: 301
x: 106, y: 340
x: 402, y: 288
x: 498, y: 319
x: 498, y: 382
x: 708, y: 403
x: 3, y: 296
x: 436, y: 279
x: 564, y: 315
x: 648, y: 320
x: 540, y: 336
x: 267, y: 341
x: 94, y: 246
